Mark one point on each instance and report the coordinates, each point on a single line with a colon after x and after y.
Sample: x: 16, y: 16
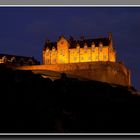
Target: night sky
x: 23, y: 30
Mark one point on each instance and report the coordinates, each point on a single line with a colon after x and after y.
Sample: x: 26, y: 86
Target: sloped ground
x: 30, y: 103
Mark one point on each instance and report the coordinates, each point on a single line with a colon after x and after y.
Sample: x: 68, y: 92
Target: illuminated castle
x: 75, y: 51
x: 88, y: 59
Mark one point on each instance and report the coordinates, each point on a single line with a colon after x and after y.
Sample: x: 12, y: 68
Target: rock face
x: 110, y: 72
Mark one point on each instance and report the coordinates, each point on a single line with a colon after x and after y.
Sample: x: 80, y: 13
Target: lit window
x: 47, y: 50
x: 104, y: 57
x: 47, y: 54
x: 54, y: 60
x: 62, y: 52
x: 75, y: 58
x: 89, y: 58
x: 96, y: 57
x: 48, y: 61
x: 100, y: 48
x: 61, y: 61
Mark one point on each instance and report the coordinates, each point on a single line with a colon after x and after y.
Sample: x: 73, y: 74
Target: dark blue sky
x: 24, y: 30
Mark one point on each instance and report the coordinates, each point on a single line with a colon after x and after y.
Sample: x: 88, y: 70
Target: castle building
x: 17, y: 60
x: 75, y: 51
x: 88, y: 59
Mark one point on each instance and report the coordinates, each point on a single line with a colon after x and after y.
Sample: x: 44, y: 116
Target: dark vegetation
x: 29, y: 103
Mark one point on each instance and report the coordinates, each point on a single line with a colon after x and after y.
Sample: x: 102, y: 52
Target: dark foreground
x: 29, y: 103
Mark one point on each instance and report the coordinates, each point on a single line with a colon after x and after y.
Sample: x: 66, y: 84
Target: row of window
x: 85, y: 47
x: 62, y: 52
x: 78, y: 49
x: 76, y: 59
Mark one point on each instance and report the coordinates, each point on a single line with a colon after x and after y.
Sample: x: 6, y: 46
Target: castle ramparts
x: 110, y: 72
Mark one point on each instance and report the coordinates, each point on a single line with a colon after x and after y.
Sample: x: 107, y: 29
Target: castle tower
x: 46, y: 53
x: 111, y: 52
x: 63, y: 50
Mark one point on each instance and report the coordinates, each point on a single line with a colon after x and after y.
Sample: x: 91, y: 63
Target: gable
x: 62, y: 43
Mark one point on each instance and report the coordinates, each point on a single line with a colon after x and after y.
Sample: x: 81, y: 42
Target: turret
x: 100, y: 46
x: 93, y: 46
x: 63, y: 50
x: 112, y: 52
x: 110, y: 40
x: 85, y: 47
x: 78, y: 47
x: 46, y: 44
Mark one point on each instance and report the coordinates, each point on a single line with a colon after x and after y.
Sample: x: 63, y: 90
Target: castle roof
x: 96, y: 41
x: 73, y: 43
x: 50, y: 45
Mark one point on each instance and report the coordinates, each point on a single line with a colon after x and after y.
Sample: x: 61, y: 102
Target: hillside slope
x: 30, y: 103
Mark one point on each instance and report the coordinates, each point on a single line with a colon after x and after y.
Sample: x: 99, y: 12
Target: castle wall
x: 53, y: 56
x: 47, y: 57
x: 103, y: 54
x: 85, y: 54
x: 43, y: 58
x: 75, y: 55
x: 114, y: 73
x: 95, y: 54
x: 112, y: 57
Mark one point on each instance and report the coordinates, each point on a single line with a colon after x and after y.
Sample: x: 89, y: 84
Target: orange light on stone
x: 64, y: 54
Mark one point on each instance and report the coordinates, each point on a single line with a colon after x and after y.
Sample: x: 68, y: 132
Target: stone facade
x: 75, y: 51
